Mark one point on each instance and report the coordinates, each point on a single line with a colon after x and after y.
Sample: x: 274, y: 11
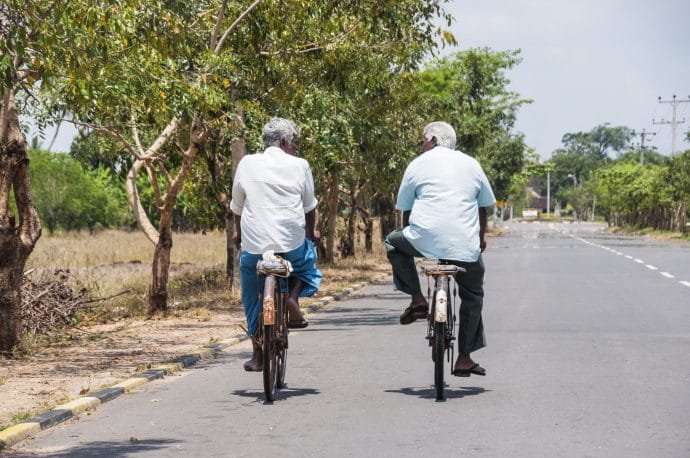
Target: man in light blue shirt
x: 443, y: 196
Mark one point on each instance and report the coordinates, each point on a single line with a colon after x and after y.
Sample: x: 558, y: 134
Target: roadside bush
x: 69, y: 197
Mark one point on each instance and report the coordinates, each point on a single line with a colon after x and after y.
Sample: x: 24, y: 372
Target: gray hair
x: 277, y: 129
x: 444, y: 133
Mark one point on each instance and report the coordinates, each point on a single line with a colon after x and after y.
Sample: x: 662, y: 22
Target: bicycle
x: 274, y: 323
x: 441, y: 319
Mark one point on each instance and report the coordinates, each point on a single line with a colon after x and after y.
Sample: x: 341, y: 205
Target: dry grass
x: 113, y: 262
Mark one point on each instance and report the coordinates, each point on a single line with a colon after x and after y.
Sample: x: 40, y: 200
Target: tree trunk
x: 332, y: 201
x: 386, y: 211
x: 17, y: 241
x: 160, y: 270
x: 347, y: 244
x: 368, y: 235
x: 238, y: 150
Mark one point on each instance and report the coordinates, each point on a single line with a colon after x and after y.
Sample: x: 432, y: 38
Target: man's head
x: 282, y: 133
x: 438, y: 133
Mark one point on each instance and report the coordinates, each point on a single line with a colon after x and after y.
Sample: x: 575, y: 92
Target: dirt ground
x: 87, y: 359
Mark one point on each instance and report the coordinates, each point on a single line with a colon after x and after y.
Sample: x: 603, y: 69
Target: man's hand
x: 314, y: 236
x: 237, y: 240
x: 482, y: 245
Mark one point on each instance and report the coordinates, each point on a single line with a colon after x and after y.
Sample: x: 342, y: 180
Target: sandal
x: 413, y: 313
x: 298, y: 324
x: 475, y: 369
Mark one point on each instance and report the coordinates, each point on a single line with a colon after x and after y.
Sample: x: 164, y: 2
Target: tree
x: 19, y: 231
x: 581, y: 155
x: 470, y: 91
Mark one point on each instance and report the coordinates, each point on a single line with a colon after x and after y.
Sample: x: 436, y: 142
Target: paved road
x: 588, y: 356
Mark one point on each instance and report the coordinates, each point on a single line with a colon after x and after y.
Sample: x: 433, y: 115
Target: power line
x: 674, y: 122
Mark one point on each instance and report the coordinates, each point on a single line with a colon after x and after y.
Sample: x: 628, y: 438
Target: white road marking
x: 637, y: 260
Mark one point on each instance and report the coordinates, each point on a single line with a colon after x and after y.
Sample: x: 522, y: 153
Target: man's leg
x: 401, y: 255
x: 295, y: 316
x: 471, y: 328
x: 251, y: 302
x: 304, y: 281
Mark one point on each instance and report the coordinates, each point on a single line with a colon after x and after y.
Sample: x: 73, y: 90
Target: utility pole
x: 548, y: 193
x: 642, y: 136
x: 674, y: 122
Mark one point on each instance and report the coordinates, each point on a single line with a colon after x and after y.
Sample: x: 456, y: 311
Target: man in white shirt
x: 443, y: 196
x: 274, y: 205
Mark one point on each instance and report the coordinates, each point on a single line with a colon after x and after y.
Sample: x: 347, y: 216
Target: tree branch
x: 216, y: 29
x: 163, y: 138
x: 233, y: 25
x: 110, y: 133
x: 314, y: 46
x: 134, y: 200
x: 135, y: 135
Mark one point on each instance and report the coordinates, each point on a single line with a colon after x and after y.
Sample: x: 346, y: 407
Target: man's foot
x: 413, y: 313
x: 296, y: 318
x: 464, y: 367
x: 256, y: 364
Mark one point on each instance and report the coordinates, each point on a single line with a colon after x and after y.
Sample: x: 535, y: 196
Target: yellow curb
x: 169, y: 368
x: 17, y: 433
x: 131, y: 383
x: 80, y: 405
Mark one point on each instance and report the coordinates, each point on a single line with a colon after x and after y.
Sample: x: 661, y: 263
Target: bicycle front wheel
x: 270, y: 371
x: 439, y: 344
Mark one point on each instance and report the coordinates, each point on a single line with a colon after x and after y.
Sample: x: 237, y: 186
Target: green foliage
x: 69, y: 197
x: 639, y: 196
x: 582, y: 154
x: 470, y: 91
x: 648, y: 157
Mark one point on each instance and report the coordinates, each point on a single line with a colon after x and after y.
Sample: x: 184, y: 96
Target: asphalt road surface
x: 588, y: 355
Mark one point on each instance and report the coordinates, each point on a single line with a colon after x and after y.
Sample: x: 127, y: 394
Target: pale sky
x: 588, y: 62
x: 585, y: 62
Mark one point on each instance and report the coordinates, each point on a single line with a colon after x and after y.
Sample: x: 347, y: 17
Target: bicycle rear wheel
x: 269, y: 355
x: 438, y: 350
x: 282, y: 343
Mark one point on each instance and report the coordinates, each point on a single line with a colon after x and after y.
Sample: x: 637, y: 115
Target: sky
x: 588, y: 62
x: 585, y: 63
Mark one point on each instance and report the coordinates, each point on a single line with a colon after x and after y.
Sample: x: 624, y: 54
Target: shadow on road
x: 283, y: 393
x: 356, y: 316
x: 449, y: 393
x: 110, y: 449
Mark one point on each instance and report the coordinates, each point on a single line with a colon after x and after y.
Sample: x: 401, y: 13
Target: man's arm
x: 406, y: 218
x: 237, y: 236
x: 309, y: 232
x: 483, y: 218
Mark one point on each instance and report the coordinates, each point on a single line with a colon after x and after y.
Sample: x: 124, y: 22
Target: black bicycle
x: 441, y: 319
x: 274, y: 326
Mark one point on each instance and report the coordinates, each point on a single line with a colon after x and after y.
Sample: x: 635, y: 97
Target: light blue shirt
x: 444, y: 189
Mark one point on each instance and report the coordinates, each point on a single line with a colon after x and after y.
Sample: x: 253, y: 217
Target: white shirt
x: 272, y: 191
x: 443, y: 189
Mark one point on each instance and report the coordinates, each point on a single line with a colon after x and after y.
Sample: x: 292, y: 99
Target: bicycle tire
x: 439, y: 348
x: 282, y: 343
x: 269, y: 372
